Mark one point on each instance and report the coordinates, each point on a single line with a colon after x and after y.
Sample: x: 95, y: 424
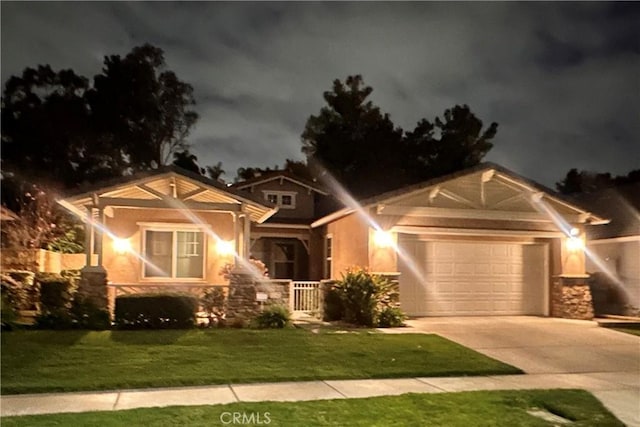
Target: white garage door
x: 469, y: 278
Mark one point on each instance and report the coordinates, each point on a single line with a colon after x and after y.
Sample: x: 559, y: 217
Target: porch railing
x: 305, y: 296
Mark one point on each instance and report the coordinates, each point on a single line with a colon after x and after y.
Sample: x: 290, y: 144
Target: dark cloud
x: 561, y: 79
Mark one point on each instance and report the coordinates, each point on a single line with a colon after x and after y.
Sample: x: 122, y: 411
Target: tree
x: 186, y: 160
x: 142, y: 107
x: 60, y: 129
x: 588, y: 182
x: 449, y: 145
x: 362, y: 148
x: 44, y: 125
x: 297, y: 168
x: 214, y: 172
x: 354, y: 140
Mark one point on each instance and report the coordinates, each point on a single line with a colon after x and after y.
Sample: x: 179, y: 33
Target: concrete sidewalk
x: 617, y: 386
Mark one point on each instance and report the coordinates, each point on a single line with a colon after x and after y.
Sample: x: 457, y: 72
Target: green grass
x: 628, y: 331
x: 49, y: 361
x: 478, y: 408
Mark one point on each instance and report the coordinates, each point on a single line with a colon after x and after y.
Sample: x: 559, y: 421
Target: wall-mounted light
x: 383, y: 239
x: 575, y: 244
x: 224, y: 247
x: 121, y: 246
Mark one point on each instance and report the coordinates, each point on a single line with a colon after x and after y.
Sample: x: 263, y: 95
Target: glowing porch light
x: 224, y: 247
x: 575, y: 244
x: 383, y: 239
x: 121, y: 246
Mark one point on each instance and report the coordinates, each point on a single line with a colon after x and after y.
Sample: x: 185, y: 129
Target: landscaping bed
x: 54, y: 361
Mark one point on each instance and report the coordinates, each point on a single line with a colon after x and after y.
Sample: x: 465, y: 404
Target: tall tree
x: 44, y: 125
x: 583, y: 181
x: 60, y: 129
x: 354, y: 140
x: 362, y: 148
x: 452, y: 144
x: 141, y: 106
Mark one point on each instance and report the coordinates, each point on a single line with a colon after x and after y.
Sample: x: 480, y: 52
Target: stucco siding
x: 127, y: 267
x: 350, y: 236
x: 621, y: 259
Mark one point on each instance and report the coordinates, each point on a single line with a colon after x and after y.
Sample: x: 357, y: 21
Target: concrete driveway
x: 552, y: 348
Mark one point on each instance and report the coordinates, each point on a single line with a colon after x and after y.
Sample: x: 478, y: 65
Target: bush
x: 365, y: 296
x: 156, y: 311
x: 391, y: 317
x: 56, y: 293
x: 214, y: 303
x: 273, y: 317
x: 56, y: 320
x: 20, y: 289
x: 85, y: 315
x: 332, y: 307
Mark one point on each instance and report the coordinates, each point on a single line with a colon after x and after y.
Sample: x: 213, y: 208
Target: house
x: 167, y: 226
x: 285, y: 242
x: 483, y: 241
x: 614, y: 249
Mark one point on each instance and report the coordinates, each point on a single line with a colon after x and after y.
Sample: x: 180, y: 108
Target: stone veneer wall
x: 93, y: 286
x: 242, y: 303
x: 571, y: 298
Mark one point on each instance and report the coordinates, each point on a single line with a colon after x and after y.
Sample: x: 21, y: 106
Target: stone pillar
x: 93, y: 286
x: 243, y: 304
x: 571, y: 298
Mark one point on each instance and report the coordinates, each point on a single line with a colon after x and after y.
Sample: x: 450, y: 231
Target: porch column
x: 88, y: 236
x: 236, y: 235
x: 100, y: 235
x: 246, y: 236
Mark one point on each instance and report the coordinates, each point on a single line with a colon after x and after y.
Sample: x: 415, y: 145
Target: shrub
x: 391, y: 317
x: 56, y: 320
x: 8, y: 315
x: 20, y: 289
x: 358, y: 290
x: 86, y: 315
x: 56, y: 293
x: 273, y: 317
x: 156, y: 311
x: 332, y: 307
x: 214, y: 303
x: 364, y: 296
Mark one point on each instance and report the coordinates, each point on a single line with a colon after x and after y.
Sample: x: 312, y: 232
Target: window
x: 328, y: 249
x: 282, y: 199
x: 174, y: 254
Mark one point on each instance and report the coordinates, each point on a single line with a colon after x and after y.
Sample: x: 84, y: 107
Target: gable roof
x: 621, y: 204
x: 277, y: 175
x: 505, y: 174
x: 168, y: 187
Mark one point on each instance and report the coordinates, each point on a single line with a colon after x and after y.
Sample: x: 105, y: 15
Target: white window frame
x: 279, y: 196
x: 328, y: 260
x: 174, y: 228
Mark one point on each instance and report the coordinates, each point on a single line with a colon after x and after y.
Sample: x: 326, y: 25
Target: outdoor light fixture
x: 575, y: 232
x: 383, y: 239
x: 225, y: 247
x: 575, y: 244
x: 121, y: 246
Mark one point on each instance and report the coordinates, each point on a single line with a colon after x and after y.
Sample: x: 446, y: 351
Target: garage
x: 469, y: 278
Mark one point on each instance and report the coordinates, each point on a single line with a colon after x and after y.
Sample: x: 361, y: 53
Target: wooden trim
x: 614, y: 240
x: 409, y: 229
x: 103, y: 202
x: 471, y: 214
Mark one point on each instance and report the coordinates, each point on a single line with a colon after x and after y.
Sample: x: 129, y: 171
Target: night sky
x: 561, y: 79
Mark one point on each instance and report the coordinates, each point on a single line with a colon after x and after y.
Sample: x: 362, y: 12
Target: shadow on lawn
x: 155, y: 336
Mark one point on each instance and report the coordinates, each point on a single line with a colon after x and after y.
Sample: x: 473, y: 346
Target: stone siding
x: 571, y: 299
x: 243, y: 304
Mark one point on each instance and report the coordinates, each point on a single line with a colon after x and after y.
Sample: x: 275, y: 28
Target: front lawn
x: 48, y: 361
x: 477, y: 408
